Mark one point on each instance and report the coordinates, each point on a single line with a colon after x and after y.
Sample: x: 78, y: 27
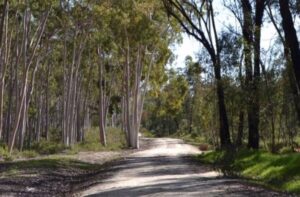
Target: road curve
x: 166, y: 170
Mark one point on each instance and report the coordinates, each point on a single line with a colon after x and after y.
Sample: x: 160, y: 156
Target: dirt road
x: 167, y: 170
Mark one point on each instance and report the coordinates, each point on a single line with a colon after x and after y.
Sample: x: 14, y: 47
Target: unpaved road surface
x: 166, y: 169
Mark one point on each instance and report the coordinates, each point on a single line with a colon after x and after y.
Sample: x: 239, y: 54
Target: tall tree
x: 292, y: 50
x: 251, y: 28
x: 198, y: 20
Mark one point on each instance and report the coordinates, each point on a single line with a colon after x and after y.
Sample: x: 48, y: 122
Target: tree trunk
x: 101, y: 103
x: 240, y: 134
x: 291, y: 37
x: 223, y: 119
x: 4, y: 58
x: 292, y: 44
x: 47, y: 102
x: 254, y: 132
x: 252, y: 36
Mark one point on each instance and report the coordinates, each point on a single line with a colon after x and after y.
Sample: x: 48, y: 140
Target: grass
x: 56, y: 173
x: 280, y: 171
x: 51, y: 164
x: 115, y: 141
x: 114, y: 136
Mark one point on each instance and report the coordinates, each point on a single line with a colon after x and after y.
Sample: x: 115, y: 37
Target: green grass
x: 280, y: 171
x: 115, y: 141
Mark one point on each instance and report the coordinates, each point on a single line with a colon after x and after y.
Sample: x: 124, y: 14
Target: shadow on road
x: 160, y: 172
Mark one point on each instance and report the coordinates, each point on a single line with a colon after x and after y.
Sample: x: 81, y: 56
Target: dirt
x: 167, y: 169
x: 162, y: 167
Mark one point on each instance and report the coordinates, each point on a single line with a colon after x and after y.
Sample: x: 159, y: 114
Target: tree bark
x: 252, y: 36
x: 101, y: 102
x: 291, y: 37
x: 293, y: 51
x: 3, y: 56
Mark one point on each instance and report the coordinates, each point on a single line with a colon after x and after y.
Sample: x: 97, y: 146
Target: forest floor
x: 162, y: 167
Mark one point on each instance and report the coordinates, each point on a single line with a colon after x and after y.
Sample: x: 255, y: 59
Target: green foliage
x: 47, y: 147
x: 55, y: 135
x: 146, y: 133
x: 286, y: 150
x: 29, y: 154
x: 164, y: 110
x: 4, y: 153
x: 115, y: 141
x: 278, y: 171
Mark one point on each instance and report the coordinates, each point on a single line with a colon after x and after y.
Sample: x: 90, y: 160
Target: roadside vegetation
x: 115, y: 138
x: 279, y: 171
x: 50, y: 168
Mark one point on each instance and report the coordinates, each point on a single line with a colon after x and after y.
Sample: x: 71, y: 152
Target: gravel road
x: 166, y: 169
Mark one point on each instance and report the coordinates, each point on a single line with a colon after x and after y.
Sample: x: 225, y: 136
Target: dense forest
x: 67, y: 66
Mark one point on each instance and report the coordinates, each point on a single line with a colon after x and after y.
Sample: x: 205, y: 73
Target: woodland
x: 96, y: 74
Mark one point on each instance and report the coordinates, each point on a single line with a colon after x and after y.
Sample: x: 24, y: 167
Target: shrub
x: 4, y: 153
x: 115, y: 139
x: 276, y: 147
x: 55, y: 135
x: 286, y: 150
x: 146, y: 133
x: 47, y: 147
x: 29, y: 154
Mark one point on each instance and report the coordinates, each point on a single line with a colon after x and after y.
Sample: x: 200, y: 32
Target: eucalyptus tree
x: 198, y: 20
x: 291, y: 48
x: 4, y: 53
x: 26, y: 55
x: 251, y: 27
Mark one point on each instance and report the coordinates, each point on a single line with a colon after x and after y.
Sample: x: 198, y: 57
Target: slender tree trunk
x: 27, y: 61
x: 4, y: 53
x: 239, y: 138
x: 127, y: 96
x: 47, y: 102
x: 101, y: 103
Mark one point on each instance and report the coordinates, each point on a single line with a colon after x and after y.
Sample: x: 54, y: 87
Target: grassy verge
x: 280, y: 171
x: 115, y: 141
x: 58, y: 172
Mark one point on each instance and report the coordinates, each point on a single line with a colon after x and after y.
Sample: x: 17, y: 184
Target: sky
x: 190, y: 46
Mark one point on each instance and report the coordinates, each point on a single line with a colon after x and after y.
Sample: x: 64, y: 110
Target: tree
x: 292, y: 50
x: 252, y: 36
x: 197, y: 20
